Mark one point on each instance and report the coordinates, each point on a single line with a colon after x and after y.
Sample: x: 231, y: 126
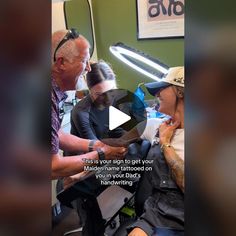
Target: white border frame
x: 157, y: 27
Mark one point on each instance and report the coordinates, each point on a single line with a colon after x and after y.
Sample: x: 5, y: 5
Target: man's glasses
x: 71, y: 34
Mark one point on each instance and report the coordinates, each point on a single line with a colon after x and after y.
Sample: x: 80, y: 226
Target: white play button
x: 113, y: 113
x: 117, y: 118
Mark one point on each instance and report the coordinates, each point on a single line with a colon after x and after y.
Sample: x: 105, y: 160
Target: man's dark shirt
x: 58, y: 97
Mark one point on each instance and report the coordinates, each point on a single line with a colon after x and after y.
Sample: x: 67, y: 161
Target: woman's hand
x: 137, y: 232
x: 166, y: 131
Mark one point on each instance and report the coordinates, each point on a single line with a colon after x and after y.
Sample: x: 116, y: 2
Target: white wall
x: 94, y: 56
x: 58, y: 19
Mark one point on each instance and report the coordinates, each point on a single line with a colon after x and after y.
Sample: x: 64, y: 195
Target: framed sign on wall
x: 160, y: 18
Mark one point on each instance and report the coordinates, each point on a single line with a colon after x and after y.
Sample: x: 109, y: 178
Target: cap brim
x: 154, y: 87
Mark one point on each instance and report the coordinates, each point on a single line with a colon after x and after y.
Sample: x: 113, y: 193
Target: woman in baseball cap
x: 164, y: 215
x: 170, y: 89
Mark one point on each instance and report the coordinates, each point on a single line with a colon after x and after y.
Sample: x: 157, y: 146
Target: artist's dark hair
x: 100, y: 71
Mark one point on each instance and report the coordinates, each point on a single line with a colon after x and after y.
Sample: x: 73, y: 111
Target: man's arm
x: 70, y: 165
x: 69, y: 142
x: 72, y: 143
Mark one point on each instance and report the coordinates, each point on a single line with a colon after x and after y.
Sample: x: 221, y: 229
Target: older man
x: 70, y: 61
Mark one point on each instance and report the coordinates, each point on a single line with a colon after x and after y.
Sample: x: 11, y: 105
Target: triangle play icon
x: 117, y: 118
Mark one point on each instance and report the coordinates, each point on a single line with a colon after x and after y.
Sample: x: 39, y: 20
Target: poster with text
x: 160, y: 18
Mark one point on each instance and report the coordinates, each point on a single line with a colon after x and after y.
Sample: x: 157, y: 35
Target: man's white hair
x: 69, y: 50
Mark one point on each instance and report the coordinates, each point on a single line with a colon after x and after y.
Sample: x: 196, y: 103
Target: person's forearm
x: 70, y: 165
x: 176, y: 165
x: 69, y: 142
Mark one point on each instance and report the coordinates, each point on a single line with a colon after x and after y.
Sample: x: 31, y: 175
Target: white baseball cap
x: 175, y: 76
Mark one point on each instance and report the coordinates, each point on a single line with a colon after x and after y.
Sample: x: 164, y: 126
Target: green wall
x: 77, y: 15
x: 115, y: 21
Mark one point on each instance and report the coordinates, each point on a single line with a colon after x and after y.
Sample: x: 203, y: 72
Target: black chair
x: 88, y: 192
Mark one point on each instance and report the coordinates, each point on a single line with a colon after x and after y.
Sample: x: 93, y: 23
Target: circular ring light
x: 140, y: 61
